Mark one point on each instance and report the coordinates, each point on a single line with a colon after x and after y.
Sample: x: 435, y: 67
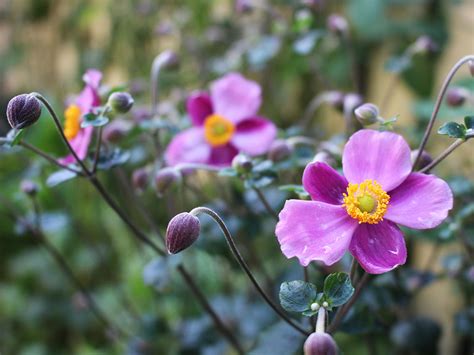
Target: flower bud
x: 121, y: 102
x: 116, y: 130
x: 424, y: 45
x: 140, y: 179
x: 23, y: 110
x: 166, y: 178
x: 470, y: 64
x: 167, y: 59
x: 325, y: 157
x: 320, y: 344
x: 425, y: 158
x: 337, y: 24
x: 29, y: 187
x: 335, y: 99
x: 351, y: 101
x: 456, y: 96
x: 242, y: 163
x: 367, y: 114
x: 243, y: 6
x: 182, y: 232
x: 279, y: 150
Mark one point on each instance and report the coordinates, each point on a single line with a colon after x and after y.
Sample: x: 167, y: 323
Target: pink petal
x: 80, y: 145
x: 222, y: 156
x: 324, y: 184
x: 420, y: 202
x: 188, y: 146
x: 89, y: 96
x: 254, y: 135
x: 312, y: 230
x: 379, y: 247
x: 380, y: 156
x: 235, y: 97
x: 199, y: 106
x: 92, y: 78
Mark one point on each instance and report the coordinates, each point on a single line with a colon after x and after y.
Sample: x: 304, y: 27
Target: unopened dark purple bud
x: 367, y: 114
x: 166, y: 178
x: 29, y: 187
x: 279, y: 150
x: 242, y: 163
x: 320, y: 344
x: 121, y: 101
x: 23, y: 110
x: 337, y: 24
x: 116, y: 130
x: 456, y: 96
x: 425, y: 158
x: 140, y: 179
x: 182, y: 232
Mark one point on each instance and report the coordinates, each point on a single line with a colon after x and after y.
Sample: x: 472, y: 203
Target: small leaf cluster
x: 456, y: 130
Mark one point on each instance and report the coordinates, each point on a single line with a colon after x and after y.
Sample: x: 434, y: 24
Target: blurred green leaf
x: 453, y: 130
x: 338, y: 288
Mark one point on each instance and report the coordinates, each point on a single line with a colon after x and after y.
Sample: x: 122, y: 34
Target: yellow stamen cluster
x: 72, y: 123
x: 367, y: 202
x: 218, y: 130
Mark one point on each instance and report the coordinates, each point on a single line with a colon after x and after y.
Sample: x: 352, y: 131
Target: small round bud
x: 279, y: 150
x: 320, y: 344
x: 140, y: 179
x: 116, y: 130
x: 335, y: 99
x: 242, y: 163
x: 337, y: 24
x: 29, y: 187
x: 23, y: 110
x: 424, y: 45
x: 167, y: 59
x: 182, y: 232
x: 367, y: 114
x: 351, y: 101
x: 166, y: 178
x: 121, y: 102
x: 425, y: 158
x: 456, y: 96
x: 314, y: 306
x: 325, y: 304
x: 470, y: 64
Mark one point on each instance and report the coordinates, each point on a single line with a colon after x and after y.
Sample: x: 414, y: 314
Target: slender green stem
x: 244, y: 266
x: 265, y: 203
x: 443, y: 155
x: 439, y: 100
x: 321, y: 322
x: 353, y: 272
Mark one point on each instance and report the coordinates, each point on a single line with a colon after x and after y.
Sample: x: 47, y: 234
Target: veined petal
x: 324, y: 184
x: 254, y: 135
x: 188, y: 146
x: 378, y: 247
x: 199, y: 106
x: 420, y: 202
x: 380, y: 156
x: 235, y: 97
x: 312, y: 230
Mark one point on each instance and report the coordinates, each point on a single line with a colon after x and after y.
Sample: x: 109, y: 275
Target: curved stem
x: 244, y: 266
x: 314, y: 104
x: 265, y: 203
x: 442, y: 156
x: 205, y: 304
x: 60, y: 130
x: 97, y: 150
x: 345, y: 308
x: 154, y: 76
x: 439, y: 100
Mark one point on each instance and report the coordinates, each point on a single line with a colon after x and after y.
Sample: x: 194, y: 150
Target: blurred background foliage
x: 286, y: 46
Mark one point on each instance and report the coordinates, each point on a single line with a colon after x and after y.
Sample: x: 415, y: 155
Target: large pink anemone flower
x: 360, y: 211
x: 78, y: 137
x: 224, y: 124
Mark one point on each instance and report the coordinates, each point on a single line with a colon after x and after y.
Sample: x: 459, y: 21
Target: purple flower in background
x: 360, y: 211
x: 78, y: 137
x: 225, y: 122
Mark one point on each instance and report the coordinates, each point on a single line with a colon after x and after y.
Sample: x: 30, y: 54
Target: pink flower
x: 360, y: 212
x: 224, y: 124
x: 78, y: 137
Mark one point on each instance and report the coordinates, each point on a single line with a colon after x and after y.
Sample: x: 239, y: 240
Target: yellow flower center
x: 218, y: 130
x: 367, y: 202
x: 72, y: 123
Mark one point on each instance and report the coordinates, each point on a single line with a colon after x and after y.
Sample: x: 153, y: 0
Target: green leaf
x: 93, y: 120
x: 469, y: 122
x: 297, y: 296
x: 112, y: 159
x: 59, y: 177
x: 453, y: 130
x: 338, y: 288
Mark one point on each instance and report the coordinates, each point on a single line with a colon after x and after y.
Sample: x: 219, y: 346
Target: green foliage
x: 338, y: 289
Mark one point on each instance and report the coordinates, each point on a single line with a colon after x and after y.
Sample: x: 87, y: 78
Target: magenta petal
x: 312, y: 230
x: 188, y: 146
x: 380, y: 156
x: 199, y: 106
x: 235, y: 97
x: 420, y: 202
x: 80, y: 145
x: 324, y: 184
x: 222, y: 156
x: 254, y: 135
x: 379, y: 247
x: 92, y: 78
